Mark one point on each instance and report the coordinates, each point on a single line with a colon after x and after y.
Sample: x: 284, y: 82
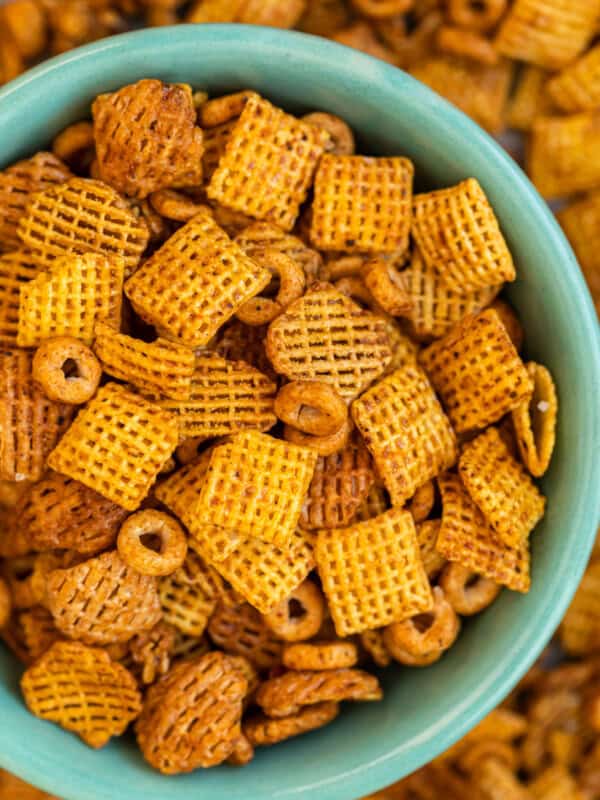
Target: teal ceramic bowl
x: 424, y: 711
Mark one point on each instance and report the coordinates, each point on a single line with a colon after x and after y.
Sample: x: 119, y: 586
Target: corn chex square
x: 407, y: 432
x: 117, y: 445
x: 195, y: 282
x: 477, y: 372
x: 372, y: 572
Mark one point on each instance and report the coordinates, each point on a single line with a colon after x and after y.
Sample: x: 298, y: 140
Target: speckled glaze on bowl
x: 424, y: 711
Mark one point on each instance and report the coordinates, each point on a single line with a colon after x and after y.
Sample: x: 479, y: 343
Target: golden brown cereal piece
x: 535, y: 421
x: 82, y: 216
x: 61, y: 513
x: 195, y: 282
x: 362, y: 204
x: 467, y: 592
x: 239, y: 342
x: 256, y: 485
x: 336, y: 269
x: 388, y: 287
x: 501, y: 488
x: 222, y: 109
x: 311, y: 406
x: 322, y: 445
x: 285, y: 696
x: 361, y: 36
x: 404, y: 349
x: 66, y: 370
x: 478, y: 90
x: 471, y: 45
x: 581, y: 223
x: 562, y: 156
x: 422, y: 501
x: 382, y: 9
x: 555, y: 783
x: 18, y: 184
x: 372, y: 573
x: 466, y: 537
x: 372, y: 641
x: 26, y: 21
x: 102, y: 600
x: 147, y: 139
x: 268, y: 164
x: 5, y: 603
x: 151, y: 651
x: 261, y: 310
x: 16, y: 270
x: 68, y: 299
x: 31, y: 424
x: 458, y: 235
x: 191, y: 717
x: 407, y: 432
x: 19, y: 574
x: 272, y: 12
x: 549, y: 33
x: 262, y: 730
x: 481, y: 16
x: 261, y: 236
x: 325, y: 336
x: 477, y: 372
x: 242, y: 754
x: 427, y: 535
x: 501, y: 724
x: 529, y: 99
x: 189, y: 596
x: 264, y: 574
x: 511, y: 322
x: 324, y: 17
x: 145, y: 559
x: 341, y: 482
x: 155, y: 368
x: 215, y: 11
x: 320, y: 655
x: 215, y: 143
x: 83, y: 691
x: 117, y: 445
x: 300, y: 615
x: 75, y: 146
x: 342, y: 138
x: 174, y: 205
x: 577, y: 88
x: 242, y: 631
x: 426, y: 635
x: 39, y: 631
x: 579, y: 632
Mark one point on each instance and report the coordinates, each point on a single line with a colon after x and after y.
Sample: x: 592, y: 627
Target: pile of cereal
x: 266, y: 422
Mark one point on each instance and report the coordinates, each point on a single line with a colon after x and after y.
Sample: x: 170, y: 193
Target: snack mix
x: 267, y: 425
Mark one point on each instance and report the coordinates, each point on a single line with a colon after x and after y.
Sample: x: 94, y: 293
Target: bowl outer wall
x: 425, y: 711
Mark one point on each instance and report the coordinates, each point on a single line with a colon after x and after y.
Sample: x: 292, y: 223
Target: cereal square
x: 16, y: 269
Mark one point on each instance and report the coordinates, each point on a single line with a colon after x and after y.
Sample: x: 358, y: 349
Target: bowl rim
x: 362, y: 777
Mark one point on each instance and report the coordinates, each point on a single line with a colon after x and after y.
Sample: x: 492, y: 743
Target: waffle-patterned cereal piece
x: 466, y: 538
x: 225, y: 397
x: 549, y: 33
x: 288, y: 694
x: 404, y: 349
x: 160, y: 367
x: 458, y: 235
x: 102, y: 600
x: 577, y: 88
x: 272, y: 13
x: 479, y: 90
x: 68, y: 300
x: 117, y: 445
x: 59, y: 513
x: 256, y: 484
x: 239, y: 342
x: 262, y: 730
x: 18, y: 184
x: 325, y: 336
x: 407, y: 432
x: 261, y: 236
x: 579, y: 631
x: 31, y: 425
x: 242, y: 631
x: 372, y: 642
x: 372, y: 572
x: 82, y: 216
x: 195, y: 282
x: 563, y: 154
x: 146, y: 138
x: 530, y: 99
x: 264, y: 574
x: 435, y: 308
x: 151, y: 651
x: 477, y: 372
x: 191, y: 717
x: 535, y: 422
x: 340, y: 483
x: 581, y: 223
x: 16, y: 269
x: 269, y: 161
x: 501, y: 488
x: 427, y: 536
x: 362, y: 204
x: 215, y: 142
x: 82, y: 690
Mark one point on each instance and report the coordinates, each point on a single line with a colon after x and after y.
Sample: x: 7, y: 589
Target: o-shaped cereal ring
x: 144, y: 559
x: 300, y: 615
x: 324, y: 445
x: 66, y: 369
x: 467, y: 592
x: 262, y: 310
x: 478, y: 16
x: 424, y: 635
x: 311, y: 407
x: 342, y: 138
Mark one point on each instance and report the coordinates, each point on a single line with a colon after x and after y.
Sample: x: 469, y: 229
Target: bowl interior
x: 424, y: 710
